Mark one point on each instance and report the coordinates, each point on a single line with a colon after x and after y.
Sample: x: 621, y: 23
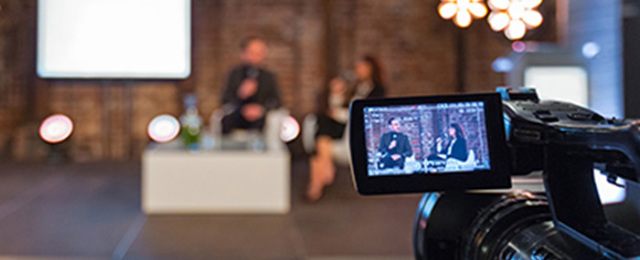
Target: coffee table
x: 246, y: 179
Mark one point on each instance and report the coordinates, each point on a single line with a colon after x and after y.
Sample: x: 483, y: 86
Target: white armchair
x: 457, y: 165
x: 411, y: 165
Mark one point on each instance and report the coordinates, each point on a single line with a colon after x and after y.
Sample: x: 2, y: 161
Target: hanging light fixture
x: 462, y: 11
x: 514, y: 17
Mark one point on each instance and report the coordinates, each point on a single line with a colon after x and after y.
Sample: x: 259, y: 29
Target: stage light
x: 163, y: 128
x: 290, y: 129
x: 56, y: 128
x: 590, y: 50
x: 502, y: 64
x: 514, y: 17
x: 462, y: 11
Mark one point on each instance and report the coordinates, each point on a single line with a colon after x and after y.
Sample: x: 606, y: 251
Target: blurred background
x: 84, y: 197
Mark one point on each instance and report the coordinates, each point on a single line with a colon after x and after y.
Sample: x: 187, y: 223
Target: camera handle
x: 576, y: 207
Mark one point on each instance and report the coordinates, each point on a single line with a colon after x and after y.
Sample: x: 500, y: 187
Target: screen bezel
x: 496, y: 177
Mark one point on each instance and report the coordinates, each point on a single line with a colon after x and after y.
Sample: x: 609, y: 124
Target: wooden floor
x: 92, y: 211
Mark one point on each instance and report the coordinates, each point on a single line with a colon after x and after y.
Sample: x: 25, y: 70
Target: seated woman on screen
x: 456, y: 148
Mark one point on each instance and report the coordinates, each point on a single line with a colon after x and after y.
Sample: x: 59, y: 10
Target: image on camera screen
x: 426, y: 138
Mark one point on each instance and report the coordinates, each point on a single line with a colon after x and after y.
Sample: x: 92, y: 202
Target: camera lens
x: 516, y: 226
x: 513, y: 226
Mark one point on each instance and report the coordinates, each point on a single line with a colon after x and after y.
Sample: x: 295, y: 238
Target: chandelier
x: 462, y: 11
x: 514, y: 17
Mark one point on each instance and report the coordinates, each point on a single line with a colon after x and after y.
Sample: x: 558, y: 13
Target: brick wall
x: 309, y: 41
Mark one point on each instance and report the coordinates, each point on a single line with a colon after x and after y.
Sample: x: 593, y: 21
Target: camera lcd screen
x: 431, y: 138
x: 428, y: 144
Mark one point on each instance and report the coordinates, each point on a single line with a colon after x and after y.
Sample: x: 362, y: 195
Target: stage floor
x: 92, y: 211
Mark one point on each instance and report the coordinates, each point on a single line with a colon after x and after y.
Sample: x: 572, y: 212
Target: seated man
x: 251, y: 91
x: 394, y: 146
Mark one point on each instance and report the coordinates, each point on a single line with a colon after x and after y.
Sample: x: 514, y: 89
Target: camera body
x: 496, y: 136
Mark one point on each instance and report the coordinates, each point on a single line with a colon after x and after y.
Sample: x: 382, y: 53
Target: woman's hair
x: 323, y: 102
x: 376, y: 69
x: 459, y: 131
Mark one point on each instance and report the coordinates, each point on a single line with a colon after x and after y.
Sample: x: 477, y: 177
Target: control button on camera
x: 580, y: 116
x: 545, y: 116
x: 542, y: 112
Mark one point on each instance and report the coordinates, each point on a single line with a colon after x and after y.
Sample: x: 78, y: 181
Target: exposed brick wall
x: 309, y: 41
x: 14, y: 19
x: 377, y: 124
x: 414, y: 45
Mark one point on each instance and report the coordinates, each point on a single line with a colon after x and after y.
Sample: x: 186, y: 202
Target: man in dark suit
x: 394, y: 146
x: 251, y: 91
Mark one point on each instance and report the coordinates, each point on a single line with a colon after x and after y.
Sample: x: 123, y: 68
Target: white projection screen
x: 140, y: 39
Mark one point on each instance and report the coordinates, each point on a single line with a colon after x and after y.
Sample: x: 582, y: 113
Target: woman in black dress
x: 333, y: 115
x: 456, y: 147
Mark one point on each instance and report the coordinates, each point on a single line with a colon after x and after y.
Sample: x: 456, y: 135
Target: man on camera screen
x: 394, y: 146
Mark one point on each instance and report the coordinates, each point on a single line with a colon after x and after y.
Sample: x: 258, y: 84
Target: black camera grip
x: 576, y: 208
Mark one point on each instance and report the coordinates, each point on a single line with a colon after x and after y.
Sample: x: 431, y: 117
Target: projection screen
x: 114, y: 39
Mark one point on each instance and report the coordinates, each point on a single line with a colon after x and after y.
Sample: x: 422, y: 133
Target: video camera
x: 397, y: 146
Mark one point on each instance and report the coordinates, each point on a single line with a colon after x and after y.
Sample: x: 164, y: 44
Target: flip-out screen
x: 428, y: 143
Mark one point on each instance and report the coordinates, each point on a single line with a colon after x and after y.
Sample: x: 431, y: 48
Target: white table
x: 212, y: 181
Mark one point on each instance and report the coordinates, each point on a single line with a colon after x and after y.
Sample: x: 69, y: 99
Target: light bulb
x: 463, y: 19
x: 499, y: 4
x: 447, y: 10
x: 530, y: 4
x: 532, y: 18
x: 478, y: 10
x: 516, y: 10
x: 515, y: 30
x: 498, y: 21
x: 464, y: 4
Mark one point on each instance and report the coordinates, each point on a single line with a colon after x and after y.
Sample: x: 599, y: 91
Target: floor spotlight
x: 56, y: 128
x: 290, y: 129
x: 163, y: 128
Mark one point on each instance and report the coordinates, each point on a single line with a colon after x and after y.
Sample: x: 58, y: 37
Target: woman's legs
x: 322, y: 169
